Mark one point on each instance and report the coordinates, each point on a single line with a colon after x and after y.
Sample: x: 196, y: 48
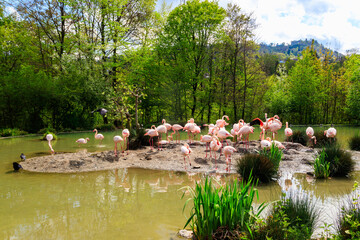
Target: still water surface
x: 118, y: 204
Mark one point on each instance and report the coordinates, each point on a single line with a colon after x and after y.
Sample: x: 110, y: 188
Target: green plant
x: 293, y: 217
x: 348, y: 223
x: 138, y: 139
x: 322, y: 140
x: 105, y: 127
x: 274, y: 154
x: 354, y: 143
x: 11, y: 132
x: 341, y: 163
x: 299, y: 137
x: 256, y: 165
x: 48, y: 132
x: 227, y: 206
x: 321, y: 167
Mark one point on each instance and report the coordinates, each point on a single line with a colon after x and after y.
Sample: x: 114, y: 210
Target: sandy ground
x: 296, y: 159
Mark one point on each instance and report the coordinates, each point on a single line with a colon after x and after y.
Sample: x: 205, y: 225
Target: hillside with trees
x: 60, y: 60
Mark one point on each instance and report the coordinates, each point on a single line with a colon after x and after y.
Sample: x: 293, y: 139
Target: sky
x: 334, y: 23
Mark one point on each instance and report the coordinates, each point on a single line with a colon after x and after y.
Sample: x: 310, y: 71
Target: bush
x: 228, y: 206
x: 105, y: 127
x: 138, y: 139
x: 293, y: 217
x: 341, y: 163
x: 354, y: 143
x: 258, y: 166
x: 300, y: 137
x: 348, y: 222
x: 274, y: 154
x: 11, y: 132
x: 321, y: 166
x: 48, y: 132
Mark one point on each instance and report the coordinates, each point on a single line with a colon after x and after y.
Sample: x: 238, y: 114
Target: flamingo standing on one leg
x: 161, y: 129
x: 117, y: 139
x: 176, y: 128
x: 126, y: 133
x: 330, y: 133
x: 275, y: 125
x: 50, y: 137
x: 185, y: 151
x: 168, y: 127
x: 223, y: 134
x: 196, y: 131
x: 310, y: 134
x: 82, y: 141
x: 288, y: 131
x: 206, y: 139
x: 152, y: 133
x: 98, y: 136
x: 228, y: 150
x: 245, y: 131
x: 189, y: 127
x: 215, y: 145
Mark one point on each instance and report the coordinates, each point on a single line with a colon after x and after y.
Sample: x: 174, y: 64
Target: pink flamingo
x: 98, y: 136
x: 265, y: 143
x: 228, y: 150
x: 168, y: 127
x: 206, y: 139
x: 245, y: 132
x: 223, y: 134
x: 189, y: 127
x: 185, y: 151
x: 50, y: 137
x: 264, y: 126
x: 164, y: 142
x: 330, y: 133
x: 275, y: 125
x: 82, y: 141
x: 215, y: 145
x: 278, y: 144
x: 152, y: 133
x: 196, y: 131
x: 288, y: 131
x: 161, y: 129
x: 310, y: 134
x: 117, y: 139
x: 176, y: 128
x: 236, y: 127
x: 221, y: 122
x: 126, y: 133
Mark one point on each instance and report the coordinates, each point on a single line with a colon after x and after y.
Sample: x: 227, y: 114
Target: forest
x: 63, y: 59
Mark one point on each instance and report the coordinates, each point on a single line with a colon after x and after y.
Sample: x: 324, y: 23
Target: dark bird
x: 23, y: 157
x: 16, y: 166
x: 102, y: 112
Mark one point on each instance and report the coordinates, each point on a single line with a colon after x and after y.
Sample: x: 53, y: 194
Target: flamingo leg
x: 150, y: 141
x: 206, y: 144
x: 115, y: 150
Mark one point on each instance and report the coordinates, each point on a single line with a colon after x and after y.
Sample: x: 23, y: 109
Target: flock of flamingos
x: 214, y: 139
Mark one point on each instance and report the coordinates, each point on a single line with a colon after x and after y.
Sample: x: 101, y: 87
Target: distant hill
x: 294, y: 49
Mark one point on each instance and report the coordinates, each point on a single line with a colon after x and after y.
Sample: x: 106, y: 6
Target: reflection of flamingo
x: 176, y: 128
x: 228, y: 150
x: 310, y: 133
x: 50, y: 137
x: 117, y: 139
x: 82, y: 141
x: 185, y: 151
x: 126, y: 134
x: 152, y: 133
x: 98, y: 136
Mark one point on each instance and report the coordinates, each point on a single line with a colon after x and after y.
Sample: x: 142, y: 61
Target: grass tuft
x: 299, y: 137
x: 258, y: 166
x: 321, y: 166
x: 341, y: 162
x: 354, y: 143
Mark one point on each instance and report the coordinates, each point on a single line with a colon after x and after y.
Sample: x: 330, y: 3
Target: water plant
x: 274, y: 154
x: 354, y: 143
x: 294, y: 216
x: 348, y: 222
x: 256, y: 165
x: 321, y: 166
x: 217, y: 207
x: 341, y: 162
x: 299, y: 137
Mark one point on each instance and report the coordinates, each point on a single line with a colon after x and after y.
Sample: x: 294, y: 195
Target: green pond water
x: 120, y: 204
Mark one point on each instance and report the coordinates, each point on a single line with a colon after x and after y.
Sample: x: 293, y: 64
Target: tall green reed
x: 321, y: 166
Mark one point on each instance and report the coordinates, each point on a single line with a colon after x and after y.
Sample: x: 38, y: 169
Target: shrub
x: 138, y: 139
x: 299, y: 137
x: 105, y: 127
x: 354, y: 143
x: 256, y: 165
x: 341, y: 163
x: 48, y: 132
x: 274, y: 154
x: 348, y: 222
x: 11, y: 132
x: 293, y: 217
x: 227, y: 206
x: 322, y: 140
x: 321, y: 166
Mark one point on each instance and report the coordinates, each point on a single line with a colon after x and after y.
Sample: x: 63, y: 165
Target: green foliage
x: 105, y: 127
x: 138, y: 139
x: 322, y: 140
x: 274, y: 154
x: 256, y: 165
x: 221, y: 206
x: 11, y: 132
x: 300, y: 137
x: 55, y: 137
x: 354, y: 143
x: 341, y: 162
x: 293, y: 217
x: 321, y: 167
x: 348, y: 222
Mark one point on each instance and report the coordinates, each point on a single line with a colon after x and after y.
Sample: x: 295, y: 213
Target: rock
x: 186, y: 233
x: 75, y: 163
x: 147, y: 157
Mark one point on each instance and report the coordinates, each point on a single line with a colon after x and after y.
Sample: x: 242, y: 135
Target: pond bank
x: 296, y: 159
